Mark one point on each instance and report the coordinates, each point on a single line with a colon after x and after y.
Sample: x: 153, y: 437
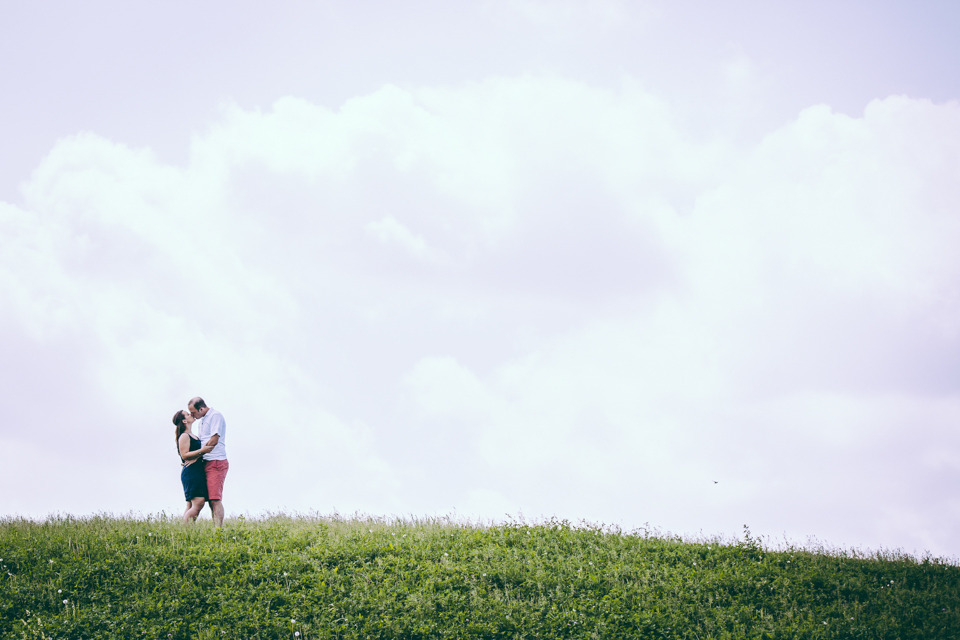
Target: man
x: 213, y: 430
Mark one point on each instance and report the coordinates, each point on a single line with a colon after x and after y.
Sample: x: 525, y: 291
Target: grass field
x: 332, y: 577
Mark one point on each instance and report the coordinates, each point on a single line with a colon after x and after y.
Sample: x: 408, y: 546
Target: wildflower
x: 59, y: 590
x: 150, y: 534
x: 590, y: 563
x: 51, y: 562
x: 296, y: 634
x: 284, y: 573
x: 485, y: 575
x: 292, y: 621
x: 64, y: 602
x: 694, y: 564
x: 445, y: 553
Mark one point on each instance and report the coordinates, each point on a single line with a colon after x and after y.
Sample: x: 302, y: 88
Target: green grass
x: 330, y: 577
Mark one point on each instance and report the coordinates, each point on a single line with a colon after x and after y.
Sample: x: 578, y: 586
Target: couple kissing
x: 204, y: 458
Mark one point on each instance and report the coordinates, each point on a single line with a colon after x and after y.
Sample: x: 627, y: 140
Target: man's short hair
x: 198, y: 404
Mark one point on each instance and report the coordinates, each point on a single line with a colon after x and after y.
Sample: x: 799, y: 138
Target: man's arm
x: 215, y: 424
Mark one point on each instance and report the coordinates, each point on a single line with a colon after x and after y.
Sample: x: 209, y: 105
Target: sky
x: 682, y: 265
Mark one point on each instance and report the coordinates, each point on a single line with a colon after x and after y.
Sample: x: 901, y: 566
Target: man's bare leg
x: 216, y: 512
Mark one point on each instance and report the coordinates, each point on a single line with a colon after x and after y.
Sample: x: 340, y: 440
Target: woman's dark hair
x: 179, y: 420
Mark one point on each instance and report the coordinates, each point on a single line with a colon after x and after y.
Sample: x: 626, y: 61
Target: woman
x: 193, y: 476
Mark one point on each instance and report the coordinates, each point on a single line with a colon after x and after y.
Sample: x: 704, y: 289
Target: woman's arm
x: 185, y: 452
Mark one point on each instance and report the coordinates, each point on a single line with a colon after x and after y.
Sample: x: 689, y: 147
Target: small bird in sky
x: 715, y: 482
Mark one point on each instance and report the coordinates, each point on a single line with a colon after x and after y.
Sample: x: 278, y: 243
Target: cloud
x: 571, y: 16
x: 390, y: 232
x: 527, y: 292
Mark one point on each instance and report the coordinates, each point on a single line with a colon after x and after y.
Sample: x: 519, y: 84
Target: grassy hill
x: 307, y: 578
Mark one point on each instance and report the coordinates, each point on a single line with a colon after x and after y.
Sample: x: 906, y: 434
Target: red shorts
x: 216, y: 474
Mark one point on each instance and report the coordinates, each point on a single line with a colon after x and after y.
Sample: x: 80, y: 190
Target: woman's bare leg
x: 194, y: 507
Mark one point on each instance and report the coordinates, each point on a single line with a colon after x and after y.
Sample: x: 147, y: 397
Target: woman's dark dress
x: 193, y: 476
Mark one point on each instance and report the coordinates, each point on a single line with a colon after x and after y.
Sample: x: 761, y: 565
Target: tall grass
x: 334, y: 577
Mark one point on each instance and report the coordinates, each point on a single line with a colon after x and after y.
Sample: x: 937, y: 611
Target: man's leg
x: 216, y: 473
x: 216, y: 511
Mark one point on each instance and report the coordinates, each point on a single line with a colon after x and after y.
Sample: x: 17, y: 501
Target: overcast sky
x: 691, y: 264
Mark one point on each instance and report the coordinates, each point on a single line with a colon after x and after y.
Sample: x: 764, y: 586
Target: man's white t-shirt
x: 210, y: 425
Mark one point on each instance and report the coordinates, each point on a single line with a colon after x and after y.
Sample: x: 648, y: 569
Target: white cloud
x: 388, y: 231
x: 444, y: 386
x: 584, y: 311
x: 567, y: 17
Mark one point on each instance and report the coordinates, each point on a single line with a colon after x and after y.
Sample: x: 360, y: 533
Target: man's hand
x: 211, y: 443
